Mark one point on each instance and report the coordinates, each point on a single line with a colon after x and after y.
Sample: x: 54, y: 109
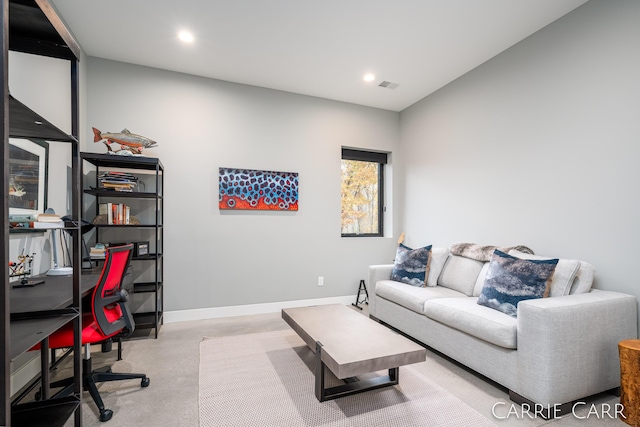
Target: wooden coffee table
x: 350, y: 344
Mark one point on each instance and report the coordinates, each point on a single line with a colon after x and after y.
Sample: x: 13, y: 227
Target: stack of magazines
x: 98, y: 251
x: 118, y: 181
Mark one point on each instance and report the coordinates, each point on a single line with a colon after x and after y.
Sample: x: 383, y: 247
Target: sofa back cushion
x: 460, y: 274
x: 438, y: 259
x: 584, y: 279
x: 477, y: 289
x: 563, y: 277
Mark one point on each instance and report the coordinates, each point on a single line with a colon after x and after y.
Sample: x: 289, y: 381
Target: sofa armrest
x: 570, y: 344
x: 376, y: 273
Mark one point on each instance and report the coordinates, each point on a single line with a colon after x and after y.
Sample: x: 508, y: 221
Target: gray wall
x: 538, y: 146
x: 218, y: 258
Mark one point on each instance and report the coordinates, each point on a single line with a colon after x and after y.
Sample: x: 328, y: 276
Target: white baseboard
x: 243, y: 310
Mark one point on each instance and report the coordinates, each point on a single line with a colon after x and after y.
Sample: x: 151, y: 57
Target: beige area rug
x: 266, y: 379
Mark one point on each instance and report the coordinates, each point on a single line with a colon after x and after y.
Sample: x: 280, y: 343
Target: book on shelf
x: 36, y: 224
x: 48, y: 217
x: 23, y: 217
x: 117, y: 213
x: 19, y: 224
x: 47, y: 224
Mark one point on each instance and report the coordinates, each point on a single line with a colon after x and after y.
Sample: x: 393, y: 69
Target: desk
x: 55, y: 293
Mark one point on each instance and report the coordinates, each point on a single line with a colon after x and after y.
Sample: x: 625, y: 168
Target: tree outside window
x: 362, y: 192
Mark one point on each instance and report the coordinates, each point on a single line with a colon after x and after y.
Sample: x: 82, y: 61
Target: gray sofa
x: 558, y: 350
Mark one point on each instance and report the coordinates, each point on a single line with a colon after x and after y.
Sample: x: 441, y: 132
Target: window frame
x: 381, y: 158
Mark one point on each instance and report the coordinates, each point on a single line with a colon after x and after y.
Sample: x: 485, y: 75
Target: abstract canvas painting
x: 257, y: 189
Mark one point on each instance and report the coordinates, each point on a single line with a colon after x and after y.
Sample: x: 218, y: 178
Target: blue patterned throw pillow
x: 511, y: 280
x: 411, y: 265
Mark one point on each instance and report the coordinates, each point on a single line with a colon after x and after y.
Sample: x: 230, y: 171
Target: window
x: 362, y: 192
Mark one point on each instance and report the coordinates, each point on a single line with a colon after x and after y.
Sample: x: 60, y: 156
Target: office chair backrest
x: 109, y: 298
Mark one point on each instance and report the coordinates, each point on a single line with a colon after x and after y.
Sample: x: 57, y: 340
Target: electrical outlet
x: 320, y: 281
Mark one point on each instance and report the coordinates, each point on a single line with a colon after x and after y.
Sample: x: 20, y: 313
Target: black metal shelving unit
x: 33, y: 27
x: 152, y: 227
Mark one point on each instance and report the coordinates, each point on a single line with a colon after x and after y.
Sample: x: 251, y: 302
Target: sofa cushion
x: 411, y: 266
x: 584, y: 279
x: 460, y: 274
x: 412, y: 297
x: 563, y: 276
x: 464, y: 314
x: 477, y: 288
x: 438, y: 259
x: 511, y: 280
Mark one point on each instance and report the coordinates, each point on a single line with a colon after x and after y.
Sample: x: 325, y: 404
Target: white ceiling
x: 318, y: 48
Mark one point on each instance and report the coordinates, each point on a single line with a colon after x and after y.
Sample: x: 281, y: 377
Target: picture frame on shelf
x: 28, y: 164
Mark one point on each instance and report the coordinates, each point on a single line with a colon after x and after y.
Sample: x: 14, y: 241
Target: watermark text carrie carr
x: 504, y: 410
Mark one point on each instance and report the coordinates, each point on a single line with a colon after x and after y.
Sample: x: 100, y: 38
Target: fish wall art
x: 257, y: 190
x: 130, y: 143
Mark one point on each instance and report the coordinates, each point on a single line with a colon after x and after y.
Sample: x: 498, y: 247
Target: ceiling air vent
x: 388, y: 85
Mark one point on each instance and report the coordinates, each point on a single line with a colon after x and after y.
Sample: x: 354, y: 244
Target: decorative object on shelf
x: 103, y: 219
x: 27, y: 176
x: 130, y: 143
x: 257, y: 189
x: 22, y: 269
x: 361, y: 288
x: 140, y: 248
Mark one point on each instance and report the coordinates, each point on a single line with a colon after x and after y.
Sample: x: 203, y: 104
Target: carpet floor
x: 266, y: 379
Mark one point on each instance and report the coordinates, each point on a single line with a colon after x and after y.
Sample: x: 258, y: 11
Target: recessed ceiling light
x: 185, y: 36
x: 369, y: 77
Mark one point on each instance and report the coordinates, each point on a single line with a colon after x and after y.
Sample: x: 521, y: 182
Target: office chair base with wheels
x: 90, y: 381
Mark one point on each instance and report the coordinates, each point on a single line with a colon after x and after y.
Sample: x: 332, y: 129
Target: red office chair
x: 109, y: 317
